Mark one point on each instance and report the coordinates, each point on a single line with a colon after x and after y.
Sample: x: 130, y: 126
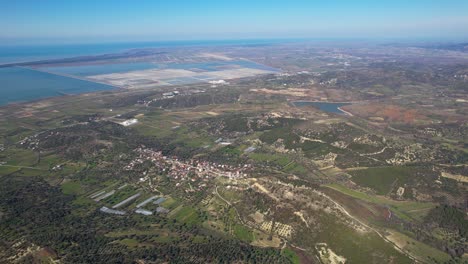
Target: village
x: 193, y: 175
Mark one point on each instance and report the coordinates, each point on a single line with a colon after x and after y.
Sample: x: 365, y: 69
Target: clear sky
x: 153, y: 20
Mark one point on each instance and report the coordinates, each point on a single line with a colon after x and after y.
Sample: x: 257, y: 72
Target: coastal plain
x: 242, y: 154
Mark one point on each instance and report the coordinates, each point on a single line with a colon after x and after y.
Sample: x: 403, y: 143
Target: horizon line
x: 61, y: 42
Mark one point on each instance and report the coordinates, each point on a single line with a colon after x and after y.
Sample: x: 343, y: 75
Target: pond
x: 324, y: 106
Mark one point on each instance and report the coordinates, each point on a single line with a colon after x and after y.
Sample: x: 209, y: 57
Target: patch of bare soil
x: 387, y: 113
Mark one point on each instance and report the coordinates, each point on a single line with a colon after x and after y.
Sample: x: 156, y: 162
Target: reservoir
x: 22, y: 84
x: 324, y: 106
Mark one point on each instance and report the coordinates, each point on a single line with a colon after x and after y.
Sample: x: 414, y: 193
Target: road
x: 368, y: 227
x: 21, y: 167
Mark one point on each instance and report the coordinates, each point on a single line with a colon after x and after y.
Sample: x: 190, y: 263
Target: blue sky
x: 152, y: 20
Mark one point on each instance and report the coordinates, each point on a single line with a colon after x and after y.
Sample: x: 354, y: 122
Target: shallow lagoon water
x: 89, y: 70
x: 218, y: 65
x: 21, y: 84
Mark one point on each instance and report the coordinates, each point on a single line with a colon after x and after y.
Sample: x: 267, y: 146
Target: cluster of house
x: 168, y: 95
x: 32, y: 142
x: 196, y: 173
x: 164, y: 96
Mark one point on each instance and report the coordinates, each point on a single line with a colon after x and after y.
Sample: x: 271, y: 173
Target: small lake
x: 324, y: 106
x: 21, y: 84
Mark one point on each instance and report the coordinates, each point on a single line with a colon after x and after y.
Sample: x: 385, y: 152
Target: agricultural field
x: 238, y: 172
x: 384, y: 179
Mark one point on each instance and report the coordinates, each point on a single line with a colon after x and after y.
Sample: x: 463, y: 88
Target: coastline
x: 70, y: 76
x: 344, y: 111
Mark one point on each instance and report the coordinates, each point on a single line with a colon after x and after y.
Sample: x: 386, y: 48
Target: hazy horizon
x: 59, y: 22
x: 85, y: 42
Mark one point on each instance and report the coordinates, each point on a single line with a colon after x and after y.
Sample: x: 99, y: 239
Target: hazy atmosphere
x: 234, y: 132
x: 103, y: 21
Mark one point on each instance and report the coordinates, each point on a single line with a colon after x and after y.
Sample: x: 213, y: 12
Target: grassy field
x: 85, y: 202
x: 243, y: 233
x: 193, y: 139
x: 30, y: 172
x: 404, y: 209
x: 20, y: 157
x: 129, y: 242
x: 153, y: 128
x: 382, y: 179
x: 357, y: 247
x: 170, y: 203
x: 186, y: 214
x: 420, y: 250
x: 273, y: 159
x: 72, y: 187
x: 5, y: 170
x: 49, y: 161
x: 291, y: 256
x: 283, y: 161
x: 295, y: 168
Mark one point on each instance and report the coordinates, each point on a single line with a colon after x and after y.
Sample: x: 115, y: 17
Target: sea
x: 26, y: 53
